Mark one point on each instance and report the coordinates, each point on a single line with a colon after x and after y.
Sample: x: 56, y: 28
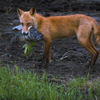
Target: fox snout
x: 26, y: 32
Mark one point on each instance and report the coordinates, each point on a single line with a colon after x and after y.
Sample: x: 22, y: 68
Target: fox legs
x: 87, y: 43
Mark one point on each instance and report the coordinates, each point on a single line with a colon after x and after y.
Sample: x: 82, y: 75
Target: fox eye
x: 28, y: 24
x: 22, y: 24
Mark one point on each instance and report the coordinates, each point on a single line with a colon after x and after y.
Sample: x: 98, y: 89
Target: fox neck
x: 38, y: 21
x: 35, y: 24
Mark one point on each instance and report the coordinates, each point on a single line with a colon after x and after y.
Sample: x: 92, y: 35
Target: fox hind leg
x: 96, y: 51
x: 86, y: 44
x: 85, y: 39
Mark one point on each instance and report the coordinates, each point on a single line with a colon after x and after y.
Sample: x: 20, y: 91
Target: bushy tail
x: 96, y: 32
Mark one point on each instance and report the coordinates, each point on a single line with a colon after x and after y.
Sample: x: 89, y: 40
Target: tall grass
x: 26, y: 85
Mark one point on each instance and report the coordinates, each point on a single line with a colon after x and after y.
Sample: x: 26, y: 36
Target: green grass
x: 26, y: 85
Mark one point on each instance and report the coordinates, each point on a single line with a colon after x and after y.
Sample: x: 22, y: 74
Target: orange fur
x: 56, y: 27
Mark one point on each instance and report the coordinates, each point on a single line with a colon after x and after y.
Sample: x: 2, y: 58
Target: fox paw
x: 37, y: 66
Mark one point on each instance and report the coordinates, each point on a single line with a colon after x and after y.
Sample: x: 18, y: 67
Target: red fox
x: 56, y: 27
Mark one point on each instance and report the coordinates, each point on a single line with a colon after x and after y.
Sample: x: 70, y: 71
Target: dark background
x: 77, y: 55
x: 50, y: 5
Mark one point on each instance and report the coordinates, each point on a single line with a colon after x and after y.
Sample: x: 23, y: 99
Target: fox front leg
x: 46, y: 56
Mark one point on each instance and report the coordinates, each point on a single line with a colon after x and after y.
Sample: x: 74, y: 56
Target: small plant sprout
x: 28, y: 47
x: 8, y: 10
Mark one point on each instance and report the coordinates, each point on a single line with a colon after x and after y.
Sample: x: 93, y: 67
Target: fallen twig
x: 64, y: 56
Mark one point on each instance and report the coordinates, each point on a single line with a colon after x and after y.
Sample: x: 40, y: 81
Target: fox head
x: 27, y: 19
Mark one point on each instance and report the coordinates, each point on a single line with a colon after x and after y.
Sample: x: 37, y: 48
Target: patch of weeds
x: 26, y: 85
x: 17, y: 85
x: 83, y: 88
x: 28, y: 47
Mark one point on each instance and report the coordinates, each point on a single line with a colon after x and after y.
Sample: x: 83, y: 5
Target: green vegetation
x: 26, y: 85
x: 28, y: 47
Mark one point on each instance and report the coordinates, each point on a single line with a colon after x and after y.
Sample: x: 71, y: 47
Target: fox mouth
x: 29, y: 31
x: 29, y: 28
x: 32, y: 34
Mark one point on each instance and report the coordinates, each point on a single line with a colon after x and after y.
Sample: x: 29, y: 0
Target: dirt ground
x: 70, y: 66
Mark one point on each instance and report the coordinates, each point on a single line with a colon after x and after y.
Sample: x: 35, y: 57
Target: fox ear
x: 19, y: 11
x: 32, y: 11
